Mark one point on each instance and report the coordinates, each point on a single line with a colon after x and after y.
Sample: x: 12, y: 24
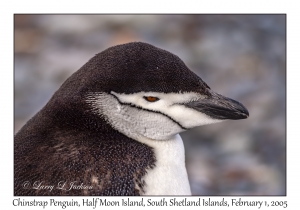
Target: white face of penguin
x: 153, y: 115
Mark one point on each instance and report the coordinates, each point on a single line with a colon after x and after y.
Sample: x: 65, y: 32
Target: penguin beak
x: 220, y: 107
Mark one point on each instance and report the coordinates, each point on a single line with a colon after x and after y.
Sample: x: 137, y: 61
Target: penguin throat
x: 154, y: 130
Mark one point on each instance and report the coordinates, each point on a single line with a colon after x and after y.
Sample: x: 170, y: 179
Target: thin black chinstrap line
x: 141, y: 108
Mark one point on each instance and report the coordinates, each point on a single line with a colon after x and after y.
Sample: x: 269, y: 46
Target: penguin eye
x: 151, y: 98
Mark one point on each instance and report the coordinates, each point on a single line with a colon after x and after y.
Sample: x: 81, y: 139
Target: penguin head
x: 144, y: 91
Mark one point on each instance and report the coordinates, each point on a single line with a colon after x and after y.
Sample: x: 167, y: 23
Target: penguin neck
x: 169, y: 176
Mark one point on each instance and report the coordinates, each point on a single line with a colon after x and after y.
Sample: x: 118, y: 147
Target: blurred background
x: 240, y: 56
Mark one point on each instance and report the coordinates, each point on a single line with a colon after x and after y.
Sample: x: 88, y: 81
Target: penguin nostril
x: 151, y: 98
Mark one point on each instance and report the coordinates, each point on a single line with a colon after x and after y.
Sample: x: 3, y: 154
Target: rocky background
x: 239, y: 56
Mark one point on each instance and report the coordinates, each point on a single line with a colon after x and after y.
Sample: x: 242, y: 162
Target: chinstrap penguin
x: 113, y: 127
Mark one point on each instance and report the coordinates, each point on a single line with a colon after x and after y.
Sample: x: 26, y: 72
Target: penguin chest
x: 169, y: 176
